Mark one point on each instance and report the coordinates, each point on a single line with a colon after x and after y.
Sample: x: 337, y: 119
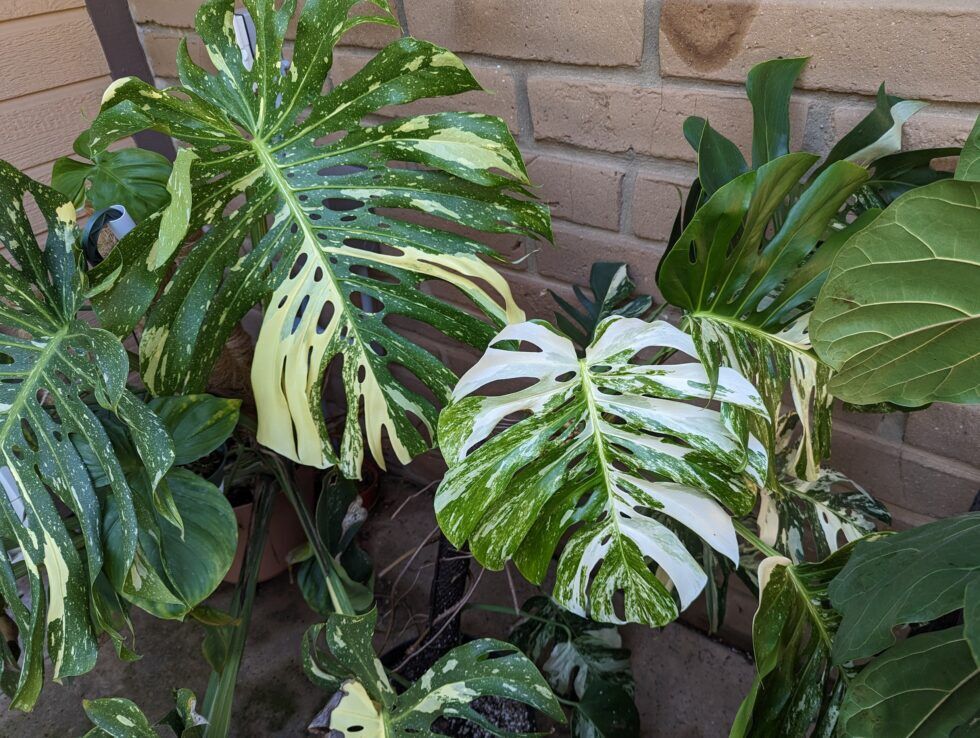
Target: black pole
x: 123, y: 51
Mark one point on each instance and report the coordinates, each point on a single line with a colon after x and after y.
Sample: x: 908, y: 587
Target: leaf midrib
x: 28, y: 385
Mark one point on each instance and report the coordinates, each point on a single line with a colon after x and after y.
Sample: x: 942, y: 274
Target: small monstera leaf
x: 899, y: 315
x: 345, y: 254
x: 132, y: 177
x: 796, y: 684
x: 746, y: 274
x: 585, y: 663
x: 57, y: 369
x: 608, y: 448
x: 612, y: 294
x: 364, y: 703
x: 820, y: 511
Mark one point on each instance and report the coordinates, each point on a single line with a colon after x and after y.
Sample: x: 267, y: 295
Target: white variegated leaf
x: 608, y: 451
x: 56, y: 371
x: 359, y: 217
x: 364, y: 703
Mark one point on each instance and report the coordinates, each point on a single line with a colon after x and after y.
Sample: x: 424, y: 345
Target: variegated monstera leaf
x: 56, y: 371
x: 364, y: 703
x: 747, y: 270
x: 607, y: 447
x: 345, y: 254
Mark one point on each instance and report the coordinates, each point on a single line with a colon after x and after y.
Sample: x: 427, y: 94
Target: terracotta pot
x: 285, y: 534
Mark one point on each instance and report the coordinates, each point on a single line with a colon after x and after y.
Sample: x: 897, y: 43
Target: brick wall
x: 597, y: 93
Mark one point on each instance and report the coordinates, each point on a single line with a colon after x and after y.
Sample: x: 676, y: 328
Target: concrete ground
x: 688, y: 686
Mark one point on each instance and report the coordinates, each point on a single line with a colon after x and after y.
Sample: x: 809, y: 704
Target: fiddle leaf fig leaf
x: 910, y: 577
x: 364, y: 702
x: 899, y: 315
x: 131, y: 177
x: 608, y: 448
x: 747, y: 275
x: 57, y: 370
x: 927, y: 685
x: 345, y: 254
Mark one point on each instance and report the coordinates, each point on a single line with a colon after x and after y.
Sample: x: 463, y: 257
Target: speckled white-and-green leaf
x: 609, y: 448
x: 746, y: 271
x: 55, y: 368
x: 364, y: 703
x: 345, y: 254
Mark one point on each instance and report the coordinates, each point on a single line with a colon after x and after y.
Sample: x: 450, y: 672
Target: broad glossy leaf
x: 115, y: 717
x: 366, y: 705
x: 57, y: 370
x: 345, y: 254
x: 198, y: 424
x: 175, y: 570
x: 911, y: 577
x: 719, y: 160
x: 608, y: 448
x: 899, y: 315
x: 928, y: 685
x: 747, y: 275
x: 132, y: 177
x: 792, y: 635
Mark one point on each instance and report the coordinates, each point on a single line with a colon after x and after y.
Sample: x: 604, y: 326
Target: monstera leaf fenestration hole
x: 360, y: 221
x: 611, y: 452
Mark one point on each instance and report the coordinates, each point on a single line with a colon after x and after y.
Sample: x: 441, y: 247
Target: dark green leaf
x: 134, y: 178
x: 910, y: 577
x: 198, y: 424
x: 925, y: 686
x: 769, y: 87
x: 899, y: 315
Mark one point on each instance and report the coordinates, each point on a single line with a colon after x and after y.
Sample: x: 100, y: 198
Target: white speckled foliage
x: 363, y: 702
x: 345, y: 252
x: 611, y: 452
x: 56, y: 372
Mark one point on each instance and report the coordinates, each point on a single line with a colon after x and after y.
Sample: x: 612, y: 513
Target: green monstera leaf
x: 132, y: 177
x: 746, y: 275
x: 364, y: 703
x: 345, y: 255
x: 747, y: 260
x: 57, y: 371
x: 609, y: 448
x: 899, y: 315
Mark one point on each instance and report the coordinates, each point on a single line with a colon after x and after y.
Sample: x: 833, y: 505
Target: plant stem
x: 221, y: 686
x: 338, y: 593
x: 522, y: 614
x: 743, y: 530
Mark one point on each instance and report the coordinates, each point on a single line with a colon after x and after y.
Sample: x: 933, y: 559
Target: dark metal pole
x: 123, y: 51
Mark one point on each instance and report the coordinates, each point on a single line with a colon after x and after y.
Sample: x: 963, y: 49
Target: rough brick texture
x: 597, y: 94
